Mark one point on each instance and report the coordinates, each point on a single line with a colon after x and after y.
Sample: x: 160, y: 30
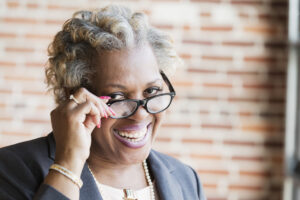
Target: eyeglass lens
x: 154, y: 105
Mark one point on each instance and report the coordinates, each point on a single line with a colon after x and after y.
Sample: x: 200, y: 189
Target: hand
x: 73, y: 124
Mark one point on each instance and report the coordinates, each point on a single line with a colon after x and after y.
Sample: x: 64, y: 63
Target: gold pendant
x: 129, y: 195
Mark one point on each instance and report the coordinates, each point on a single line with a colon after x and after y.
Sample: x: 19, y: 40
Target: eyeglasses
x: 155, y: 104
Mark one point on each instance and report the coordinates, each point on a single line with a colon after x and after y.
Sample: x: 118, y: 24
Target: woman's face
x: 127, y: 74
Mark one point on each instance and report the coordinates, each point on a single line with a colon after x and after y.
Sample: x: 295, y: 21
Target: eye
x: 116, y: 96
x: 152, y: 91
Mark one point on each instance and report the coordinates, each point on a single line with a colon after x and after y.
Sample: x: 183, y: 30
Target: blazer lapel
x: 167, y: 186
x: 89, y: 189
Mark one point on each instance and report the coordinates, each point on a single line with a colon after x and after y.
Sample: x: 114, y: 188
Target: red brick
x: 209, y: 157
x: 202, y: 71
x: 186, y: 27
x: 271, y: 115
x: 275, y: 44
x: 197, y: 42
x: 216, y: 126
x: 245, y: 114
x: 183, y: 84
x: 16, y: 133
x: 243, y: 15
x: 258, y: 86
x: 7, y: 64
x: 260, y: 59
x: 260, y: 128
x: 3, y: 118
x: 238, y: 43
x: 54, y: 22
x: 163, y: 139
x: 19, y: 20
x: 32, y: 92
x: 38, y: 36
x: 216, y: 28
x: 253, y: 173
x: 196, y: 140
x: 241, y: 143
x: 5, y: 91
x: 19, y: 78
x: 36, y: 121
x: 205, y: 98
x: 32, y: 5
x: 186, y: 56
x: 249, y: 158
x: 163, y: 26
x: 276, y: 18
x: 245, y: 187
x: 176, y: 125
x: 61, y: 7
x: 35, y: 64
x: 164, y: 0
x: 12, y: 4
x: 206, y: 185
x: 261, y: 29
x: 247, y: 2
x: 274, y: 144
x: 205, y: 14
x: 242, y: 73
x: 206, y: 1
x: 217, y: 58
x: 244, y: 99
x: 7, y: 35
x: 215, y: 172
x: 218, y: 85
x: 19, y: 49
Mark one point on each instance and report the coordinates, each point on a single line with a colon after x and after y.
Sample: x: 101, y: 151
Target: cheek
x: 158, y: 118
x: 105, y: 129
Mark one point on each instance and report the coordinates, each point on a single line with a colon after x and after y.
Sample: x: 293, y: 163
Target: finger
x: 83, y: 95
x: 107, y: 109
x: 87, y: 109
x: 90, y: 122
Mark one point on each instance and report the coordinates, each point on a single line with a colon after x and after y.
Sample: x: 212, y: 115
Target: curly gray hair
x: 88, y: 32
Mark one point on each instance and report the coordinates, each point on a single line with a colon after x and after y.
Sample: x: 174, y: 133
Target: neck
x: 118, y: 175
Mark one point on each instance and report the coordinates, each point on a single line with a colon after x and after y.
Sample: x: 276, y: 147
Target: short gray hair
x: 88, y: 32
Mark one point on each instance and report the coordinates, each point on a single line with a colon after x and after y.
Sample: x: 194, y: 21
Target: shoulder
x: 181, y: 173
x: 31, y: 154
x: 23, y: 167
x: 171, y: 163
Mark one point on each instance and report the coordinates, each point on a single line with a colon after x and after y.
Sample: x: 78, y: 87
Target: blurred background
x: 228, y: 119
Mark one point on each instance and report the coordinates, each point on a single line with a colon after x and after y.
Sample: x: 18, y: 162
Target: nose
x: 140, y: 114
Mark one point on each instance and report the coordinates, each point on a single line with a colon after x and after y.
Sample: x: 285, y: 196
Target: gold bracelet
x: 68, y: 174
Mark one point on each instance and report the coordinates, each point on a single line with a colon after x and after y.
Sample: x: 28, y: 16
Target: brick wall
x: 228, y: 118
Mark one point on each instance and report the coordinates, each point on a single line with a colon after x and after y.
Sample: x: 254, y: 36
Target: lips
x: 133, y: 136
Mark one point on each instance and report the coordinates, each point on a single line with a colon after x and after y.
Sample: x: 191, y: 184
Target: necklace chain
x: 148, y: 178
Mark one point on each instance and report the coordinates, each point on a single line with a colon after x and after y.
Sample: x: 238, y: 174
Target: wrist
x: 71, y: 162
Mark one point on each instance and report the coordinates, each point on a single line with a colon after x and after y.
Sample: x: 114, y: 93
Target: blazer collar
x: 167, y: 185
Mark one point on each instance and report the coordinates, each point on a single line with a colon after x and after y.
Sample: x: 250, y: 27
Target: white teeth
x: 134, y: 136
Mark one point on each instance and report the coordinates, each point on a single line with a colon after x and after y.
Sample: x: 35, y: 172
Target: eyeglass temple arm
x: 164, y: 76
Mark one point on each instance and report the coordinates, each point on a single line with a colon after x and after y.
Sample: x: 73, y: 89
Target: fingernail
x: 111, y: 110
x: 99, y: 124
x: 106, y: 116
x: 105, y: 97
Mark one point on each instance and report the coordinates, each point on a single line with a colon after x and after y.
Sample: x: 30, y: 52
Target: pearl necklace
x: 148, y: 178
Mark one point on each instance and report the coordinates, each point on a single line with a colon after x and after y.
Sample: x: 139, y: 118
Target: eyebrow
x: 124, y: 87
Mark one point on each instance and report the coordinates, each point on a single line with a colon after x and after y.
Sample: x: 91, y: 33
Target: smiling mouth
x: 133, y: 136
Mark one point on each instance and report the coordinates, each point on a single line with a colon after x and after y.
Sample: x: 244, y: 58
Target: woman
x: 106, y: 69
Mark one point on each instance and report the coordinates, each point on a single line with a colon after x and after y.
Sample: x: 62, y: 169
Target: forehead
x: 134, y: 66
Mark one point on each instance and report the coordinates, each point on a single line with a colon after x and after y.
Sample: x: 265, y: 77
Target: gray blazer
x: 23, y: 167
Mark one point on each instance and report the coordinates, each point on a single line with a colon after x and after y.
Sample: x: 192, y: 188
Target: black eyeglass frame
x: 144, y: 102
